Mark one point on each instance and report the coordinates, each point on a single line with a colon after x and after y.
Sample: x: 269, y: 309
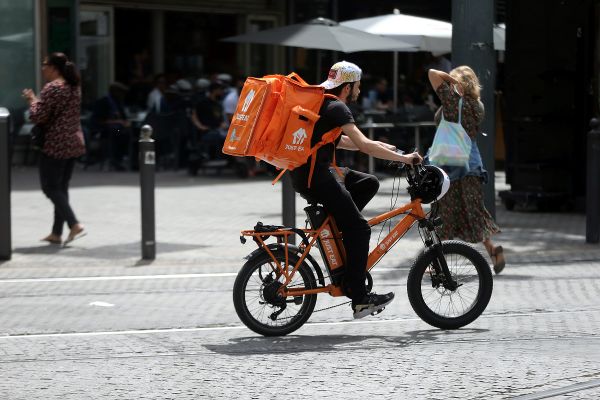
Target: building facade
x: 549, y: 74
x: 131, y: 40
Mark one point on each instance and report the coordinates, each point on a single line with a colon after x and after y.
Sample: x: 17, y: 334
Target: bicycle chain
x: 314, y: 311
x: 337, y: 305
x: 322, y: 309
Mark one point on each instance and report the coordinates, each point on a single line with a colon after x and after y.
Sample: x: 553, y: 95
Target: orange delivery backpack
x: 274, y: 122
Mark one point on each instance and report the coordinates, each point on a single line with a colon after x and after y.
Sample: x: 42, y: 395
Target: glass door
x: 18, y: 51
x: 95, y: 51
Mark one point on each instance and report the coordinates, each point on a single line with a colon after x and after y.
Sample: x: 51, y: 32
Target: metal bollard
x: 147, y: 163
x: 592, y: 203
x: 5, y: 186
x: 288, y: 197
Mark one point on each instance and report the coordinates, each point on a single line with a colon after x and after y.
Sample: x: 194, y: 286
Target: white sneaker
x: 371, y: 304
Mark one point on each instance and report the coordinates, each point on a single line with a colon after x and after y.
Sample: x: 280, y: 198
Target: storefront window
x: 17, y: 52
x: 95, y: 52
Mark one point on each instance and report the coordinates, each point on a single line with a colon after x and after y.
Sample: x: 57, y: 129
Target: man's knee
x: 373, y: 185
x: 360, y: 229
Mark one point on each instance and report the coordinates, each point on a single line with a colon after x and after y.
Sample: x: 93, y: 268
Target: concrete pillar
x: 473, y: 45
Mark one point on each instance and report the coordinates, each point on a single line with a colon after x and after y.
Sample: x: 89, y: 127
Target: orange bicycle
x: 449, y: 285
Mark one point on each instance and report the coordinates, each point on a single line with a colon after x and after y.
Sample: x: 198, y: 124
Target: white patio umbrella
x: 322, y: 34
x: 425, y: 34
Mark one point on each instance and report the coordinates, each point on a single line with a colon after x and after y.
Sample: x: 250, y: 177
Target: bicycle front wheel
x: 443, y: 307
x: 257, y: 302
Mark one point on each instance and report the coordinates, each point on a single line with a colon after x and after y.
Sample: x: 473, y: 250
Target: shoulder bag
x: 451, y: 144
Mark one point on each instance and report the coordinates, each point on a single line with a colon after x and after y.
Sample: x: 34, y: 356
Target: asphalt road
x: 93, y: 322
x: 174, y: 336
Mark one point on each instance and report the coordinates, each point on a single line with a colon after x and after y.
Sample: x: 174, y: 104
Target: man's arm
x: 373, y: 148
x: 347, y: 144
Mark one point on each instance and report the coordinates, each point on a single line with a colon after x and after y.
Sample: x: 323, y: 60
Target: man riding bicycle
x: 345, y: 196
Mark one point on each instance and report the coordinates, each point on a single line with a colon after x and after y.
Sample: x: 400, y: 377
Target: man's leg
x: 356, y: 233
x: 362, y: 187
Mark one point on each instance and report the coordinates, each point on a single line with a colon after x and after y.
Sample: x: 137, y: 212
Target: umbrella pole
x: 318, y: 67
x: 395, y: 75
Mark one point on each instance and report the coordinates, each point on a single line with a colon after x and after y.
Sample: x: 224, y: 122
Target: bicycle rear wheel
x: 442, y: 307
x: 257, y: 303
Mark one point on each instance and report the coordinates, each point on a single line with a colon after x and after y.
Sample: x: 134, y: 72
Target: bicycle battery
x: 329, y: 242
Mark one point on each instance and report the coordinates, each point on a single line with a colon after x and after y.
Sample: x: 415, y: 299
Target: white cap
x: 183, y: 85
x: 226, y: 78
x: 202, y: 83
x: 342, y: 72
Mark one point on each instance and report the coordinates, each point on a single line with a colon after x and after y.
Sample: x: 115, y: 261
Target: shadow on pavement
x: 109, y: 252
x: 300, y: 344
x: 508, y: 277
x: 27, y: 179
x: 41, y: 249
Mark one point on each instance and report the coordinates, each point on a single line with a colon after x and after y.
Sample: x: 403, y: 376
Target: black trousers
x: 344, y: 203
x: 55, y: 175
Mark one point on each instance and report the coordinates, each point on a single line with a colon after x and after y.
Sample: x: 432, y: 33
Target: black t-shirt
x: 334, y: 114
x: 209, y: 113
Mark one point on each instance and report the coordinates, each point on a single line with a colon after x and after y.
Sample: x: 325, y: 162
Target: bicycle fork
x: 432, y: 240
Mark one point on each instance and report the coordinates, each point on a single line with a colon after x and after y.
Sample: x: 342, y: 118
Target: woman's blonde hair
x: 467, y: 77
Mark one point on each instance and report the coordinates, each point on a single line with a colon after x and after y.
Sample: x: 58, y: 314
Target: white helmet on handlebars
x: 433, y: 186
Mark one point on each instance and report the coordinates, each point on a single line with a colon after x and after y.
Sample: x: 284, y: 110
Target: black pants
x: 344, y: 203
x: 55, y: 175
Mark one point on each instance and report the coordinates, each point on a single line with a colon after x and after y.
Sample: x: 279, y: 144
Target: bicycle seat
x: 310, y: 199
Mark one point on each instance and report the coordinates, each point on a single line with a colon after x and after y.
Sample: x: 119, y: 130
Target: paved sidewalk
x: 199, y: 219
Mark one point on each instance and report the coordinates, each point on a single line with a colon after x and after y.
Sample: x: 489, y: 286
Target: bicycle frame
x: 413, y: 210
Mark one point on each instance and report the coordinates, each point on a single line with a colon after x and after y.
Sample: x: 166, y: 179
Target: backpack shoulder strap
x: 328, y: 137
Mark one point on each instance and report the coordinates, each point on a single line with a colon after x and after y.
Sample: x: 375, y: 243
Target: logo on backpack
x: 248, y: 100
x: 299, y: 136
x: 234, y: 138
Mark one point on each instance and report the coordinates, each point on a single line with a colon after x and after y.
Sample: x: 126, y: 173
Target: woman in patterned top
x: 57, y: 112
x: 462, y: 209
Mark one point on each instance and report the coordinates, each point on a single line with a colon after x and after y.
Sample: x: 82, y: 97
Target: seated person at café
x: 110, y: 119
x: 379, y: 97
x: 208, y: 118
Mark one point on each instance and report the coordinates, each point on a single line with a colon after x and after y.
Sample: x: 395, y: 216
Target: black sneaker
x: 371, y: 304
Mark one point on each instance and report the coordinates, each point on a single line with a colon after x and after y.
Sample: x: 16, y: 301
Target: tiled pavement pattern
x: 538, y: 333
x: 199, y: 219
x: 43, y: 307
x: 497, y: 357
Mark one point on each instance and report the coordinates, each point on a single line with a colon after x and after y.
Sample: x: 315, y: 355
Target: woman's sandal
x: 76, y: 233
x: 498, y: 259
x: 52, y: 239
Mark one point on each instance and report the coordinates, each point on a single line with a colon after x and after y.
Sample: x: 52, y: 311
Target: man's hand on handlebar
x: 413, y: 158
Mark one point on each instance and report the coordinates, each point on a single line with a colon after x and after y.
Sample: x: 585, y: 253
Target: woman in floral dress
x: 57, y: 111
x: 462, y: 209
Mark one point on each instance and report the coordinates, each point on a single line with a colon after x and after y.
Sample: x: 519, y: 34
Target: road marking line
x: 237, y: 327
x: 557, y: 392
x: 137, y: 277
x: 119, y: 278
x: 101, y: 304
